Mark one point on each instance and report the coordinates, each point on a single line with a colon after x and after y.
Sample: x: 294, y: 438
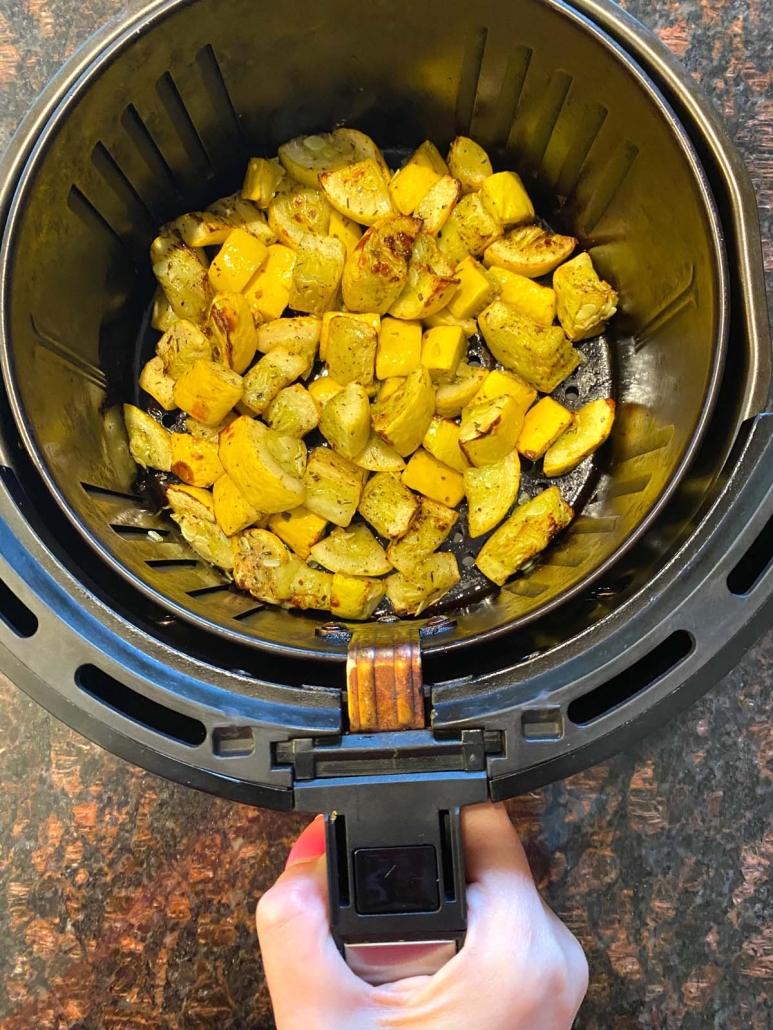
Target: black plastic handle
x: 396, y: 878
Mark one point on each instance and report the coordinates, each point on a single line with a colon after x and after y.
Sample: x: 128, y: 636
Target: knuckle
x: 278, y: 908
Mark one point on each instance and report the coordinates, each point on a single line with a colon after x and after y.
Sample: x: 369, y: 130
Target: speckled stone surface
x: 127, y: 902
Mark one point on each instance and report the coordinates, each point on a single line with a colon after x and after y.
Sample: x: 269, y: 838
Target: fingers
x: 491, y: 843
x: 307, y: 977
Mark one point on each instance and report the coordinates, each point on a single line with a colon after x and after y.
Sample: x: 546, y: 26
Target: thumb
x: 309, y: 981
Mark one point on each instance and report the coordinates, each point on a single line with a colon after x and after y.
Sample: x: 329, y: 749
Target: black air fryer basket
x: 652, y: 594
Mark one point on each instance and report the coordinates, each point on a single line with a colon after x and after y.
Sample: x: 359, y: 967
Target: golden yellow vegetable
x: 441, y: 351
x: 346, y: 230
x: 442, y: 440
x: 299, y: 211
x: 243, y: 214
x: 191, y: 500
x: 231, y: 331
x: 429, y: 528
x: 181, y: 346
x: 207, y: 539
x: 233, y: 511
x: 388, y: 506
x: 543, y: 425
x: 528, y: 531
x: 355, y: 597
x: 208, y: 391
x: 345, y: 421
x: 264, y: 567
x: 289, y: 452
x: 155, y: 381
x: 444, y: 317
x: 530, y: 251
x: 317, y: 274
x: 585, y: 303
x: 183, y: 278
x: 490, y: 430
x: 202, y: 229
x: 198, y: 429
x: 275, y: 370
x: 377, y: 456
x: 357, y: 146
x: 351, y: 350
x: 438, y: 203
x: 453, y: 396
x: 506, y: 198
x: 358, y: 191
x: 432, y: 478
x: 305, y: 157
x: 403, y: 417
x: 475, y: 289
x: 469, y: 163
x: 255, y: 458
x: 261, y: 181
x: 300, y: 529
x: 430, y: 283
x: 194, y: 460
x: 293, y: 412
x: 541, y: 356
x: 163, y: 316
x: 322, y: 390
x: 416, y: 178
x: 237, y: 261
x: 532, y: 300
x: 491, y: 493
x: 333, y: 486
x: 150, y: 443
x: 353, y: 551
x: 399, y: 348
x: 500, y: 384
x: 370, y: 318
x: 299, y: 335
x: 590, y: 429
x: 268, y: 292
x: 430, y: 580
x: 377, y: 270
x: 470, y: 229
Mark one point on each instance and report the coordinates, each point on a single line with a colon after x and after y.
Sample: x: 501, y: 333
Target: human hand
x: 520, y: 967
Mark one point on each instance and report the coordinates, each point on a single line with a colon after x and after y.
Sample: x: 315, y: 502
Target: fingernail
x: 310, y: 845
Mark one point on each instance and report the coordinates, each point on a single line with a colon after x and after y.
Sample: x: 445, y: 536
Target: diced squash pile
x: 339, y: 300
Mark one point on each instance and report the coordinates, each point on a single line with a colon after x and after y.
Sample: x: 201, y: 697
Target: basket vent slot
x: 138, y: 132
x: 233, y: 741
x: 169, y: 95
x: 94, y: 220
x: 15, y: 613
x: 472, y: 62
x: 642, y: 674
x: 542, y: 723
x: 217, y: 90
x: 744, y: 576
x: 116, y: 179
x: 135, y: 706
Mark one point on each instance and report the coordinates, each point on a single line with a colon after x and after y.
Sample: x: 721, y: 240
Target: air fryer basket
x: 165, y: 123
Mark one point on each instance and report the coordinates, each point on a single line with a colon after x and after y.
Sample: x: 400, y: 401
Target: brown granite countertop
x: 127, y: 902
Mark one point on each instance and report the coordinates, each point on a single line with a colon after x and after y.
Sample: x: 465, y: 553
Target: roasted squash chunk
x: 490, y: 430
x: 590, y: 430
x: 506, y: 198
x: 528, y: 531
x: 530, y: 251
x: 441, y: 351
x: 293, y: 412
x: 323, y: 390
x: 346, y: 230
x: 388, y: 505
x: 355, y: 597
x: 333, y: 486
x: 262, y: 180
x: 298, y: 335
x: 476, y: 289
x: 300, y: 529
x: 377, y: 456
x: 585, y: 302
x: 358, y: 191
x: 150, y: 443
x: 276, y: 370
x: 542, y: 357
x: 182, y: 345
x: 208, y: 540
x: 268, y: 292
x: 233, y: 511
x: 543, y: 425
x: 430, y: 580
x: 415, y: 179
x: 237, y: 261
x: 399, y: 348
x: 500, y: 384
x: 491, y: 493
x: 403, y: 417
x: 453, y: 396
x: 194, y: 460
x: 208, y: 391
x: 429, y: 528
x: 534, y: 301
x: 353, y: 551
x: 183, y: 277
x: 319, y: 266
x: 436, y: 480
x: 469, y: 163
x: 470, y: 229
x: 345, y: 421
x: 351, y: 350
x: 431, y: 281
x: 438, y: 203
x: 231, y: 331
x: 163, y: 316
x: 442, y: 440
x: 155, y: 381
x: 377, y: 270
x: 255, y: 458
x: 191, y: 500
x: 303, y: 210
x: 243, y: 214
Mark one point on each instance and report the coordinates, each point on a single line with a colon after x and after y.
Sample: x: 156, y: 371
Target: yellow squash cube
x: 491, y: 492
x: 323, y: 390
x: 528, y: 531
x: 355, y: 597
x: 500, y: 384
x: 444, y: 317
x: 345, y: 230
x: 208, y: 391
x: 195, y: 460
x: 474, y: 292
x: 402, y: 416
x: 428, y: 476
x: 160, y: 386
x: 442, y: 440
x: 490, y: 430
x: 535, y: 301
x: 191, y: 501
x: 416, y: 178
x: 543, y: 425
x: 470, y: 229
x: 442, y: 349
x: 237, y: 261
x: 333, y: 486
x: 256, y: 459
x: 506, y: 198
x: 469, y: 163
x: 261, y: 181
x: 233, y: 511
x: 452, y: 397
x: 429, y: 528
x: 231, y: 330
x: 268, y: 292
x: 388, y: 506
x: 150, y: 442
x: 300, y: 529
x: 590, y: 429
x: 181, y: 345
x: 373, y: 319
x: 399, y: 348
x: 319, y: 265
x: 438, y: 203
x: 350, y: 351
